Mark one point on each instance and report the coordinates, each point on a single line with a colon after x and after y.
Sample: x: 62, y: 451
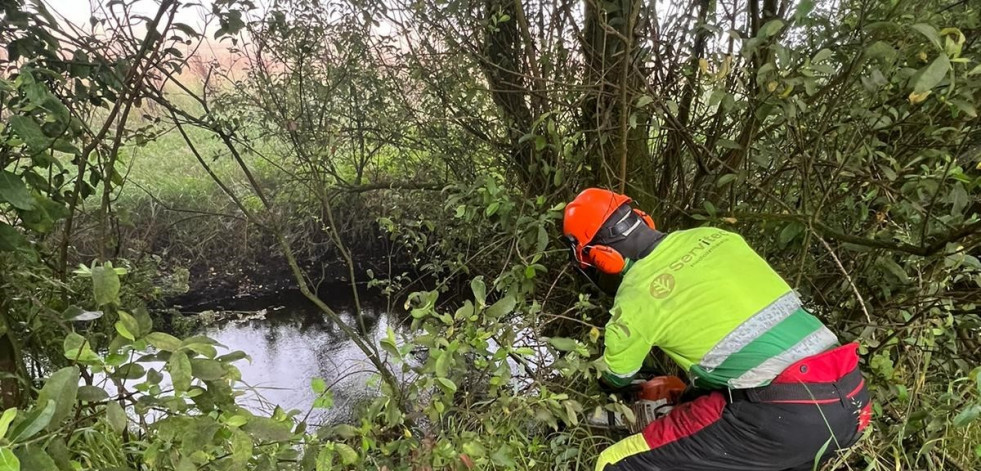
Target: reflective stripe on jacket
x: 716, y: 307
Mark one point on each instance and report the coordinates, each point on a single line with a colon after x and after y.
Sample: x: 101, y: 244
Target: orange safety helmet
x: 583, y: 219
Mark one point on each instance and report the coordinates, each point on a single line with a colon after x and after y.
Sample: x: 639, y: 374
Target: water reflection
x: 294, y: 343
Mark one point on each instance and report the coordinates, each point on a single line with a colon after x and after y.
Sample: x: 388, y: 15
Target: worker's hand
x: 614, y: 384
x: 691, y: 393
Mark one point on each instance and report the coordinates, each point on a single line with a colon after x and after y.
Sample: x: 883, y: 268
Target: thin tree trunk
x: 11, y: 366
x: 616, y: 130
x: 504, y: 66
x: 671, y: 182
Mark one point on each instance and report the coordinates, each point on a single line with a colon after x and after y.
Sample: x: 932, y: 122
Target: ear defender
x: 645, y: 217
x: 605, y: 259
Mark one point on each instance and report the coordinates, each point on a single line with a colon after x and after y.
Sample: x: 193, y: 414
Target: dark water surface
x: 290, y: 342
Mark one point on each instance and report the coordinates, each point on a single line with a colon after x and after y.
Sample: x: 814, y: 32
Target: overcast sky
x: 79, y: 11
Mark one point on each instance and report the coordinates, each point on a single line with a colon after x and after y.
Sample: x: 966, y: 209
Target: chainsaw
x: 649, y: 400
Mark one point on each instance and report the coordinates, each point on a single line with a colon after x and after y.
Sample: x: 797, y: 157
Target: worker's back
x: 715, y: 306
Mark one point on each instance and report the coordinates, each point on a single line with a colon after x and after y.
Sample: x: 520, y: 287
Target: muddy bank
x: 214, y: 287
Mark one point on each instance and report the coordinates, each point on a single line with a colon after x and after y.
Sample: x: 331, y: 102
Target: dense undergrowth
x: 426, y: 150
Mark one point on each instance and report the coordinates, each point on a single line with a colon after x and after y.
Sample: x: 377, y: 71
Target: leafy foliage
x: 842, y: 140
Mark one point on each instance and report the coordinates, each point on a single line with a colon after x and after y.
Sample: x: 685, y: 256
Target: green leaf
x: 324, y: 401
x: 929, y: 76
x: 503, y: 306
x: 709, y: 208
x: 237, y: 421
x: 443, y: 364
x: 35, y: 421
x: 345, y: 431
x: 42, y: 218
x: 771, y: 27
x: 200, y: 339
x: 6, y: 419
x: 143, y: 321
x: 389, y: 344
x: 163, y: 341
x: 77, y: 348
x: 325, y: 459
x: 127, y: 326
x: 207, y: 370
x: 723, y: 180
x: 203, y: 349
x: 902, y: 393
x: 967, y: 416
x: 72, y: 343
x: 185, y: 464
x: 821, y: 56
x: 644, y: 100
x: 61, y: 387
x: 8, y: 462
x: 184, y: 28
x: 130, y: 371
x: 30, y: 132
x: 348, y: 455
x: 479, y: 290
x: 542, y: 242
x: 820, y: 454
x: 201, y: 345
x: 59, y: 451
x: 880, y: 49
x: 540, y: 143
x: 448, y: 384
x: 959, y: 199
x: 965, y: 107
x: 268, y: 430
x: 930, y: 32
x: 234, y: 356
x: 318, y: 385
x: 34, y: 458
x: 474, y: 449
x: 241, y: 449
x: 563, y: 344
x: 77, y: 314
x: 14, y: 191
x: 123, y: 331
x: 570, y: 412
x: 465, y: 311
x: 492, y: 208
x: 892, y: 267
x: 116, y: 416
x: 105, y: 287
x: 502, y: 457
x: 790, y: 232
x: 804, y: 8
x: 153, y: 376
x: 92, y: 394
x: 179, y: 367
x: 11, y: 239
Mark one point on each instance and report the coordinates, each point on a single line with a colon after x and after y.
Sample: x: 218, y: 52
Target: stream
x: 290, y: 342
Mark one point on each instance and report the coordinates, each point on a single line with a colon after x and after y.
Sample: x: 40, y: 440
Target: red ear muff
x: 605, y: 259
x: 645, y: 217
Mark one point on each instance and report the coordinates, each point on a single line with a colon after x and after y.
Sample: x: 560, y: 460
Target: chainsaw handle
x: 625, y: 392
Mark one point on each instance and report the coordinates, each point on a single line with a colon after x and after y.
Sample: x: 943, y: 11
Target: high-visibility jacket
x: 714, y: 306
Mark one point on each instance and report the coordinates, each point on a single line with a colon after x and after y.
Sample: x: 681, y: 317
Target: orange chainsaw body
x: 662, y: 388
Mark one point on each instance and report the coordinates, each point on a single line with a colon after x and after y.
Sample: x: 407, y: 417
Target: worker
x: 779, y: 390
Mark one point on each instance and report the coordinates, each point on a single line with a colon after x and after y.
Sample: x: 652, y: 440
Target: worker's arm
x: 626, y: 347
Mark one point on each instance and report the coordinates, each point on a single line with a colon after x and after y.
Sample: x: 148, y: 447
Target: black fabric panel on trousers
x: 758, y: 437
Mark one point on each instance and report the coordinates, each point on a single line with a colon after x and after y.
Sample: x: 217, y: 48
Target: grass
x: 165, y: 170
x: 169, y: 204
